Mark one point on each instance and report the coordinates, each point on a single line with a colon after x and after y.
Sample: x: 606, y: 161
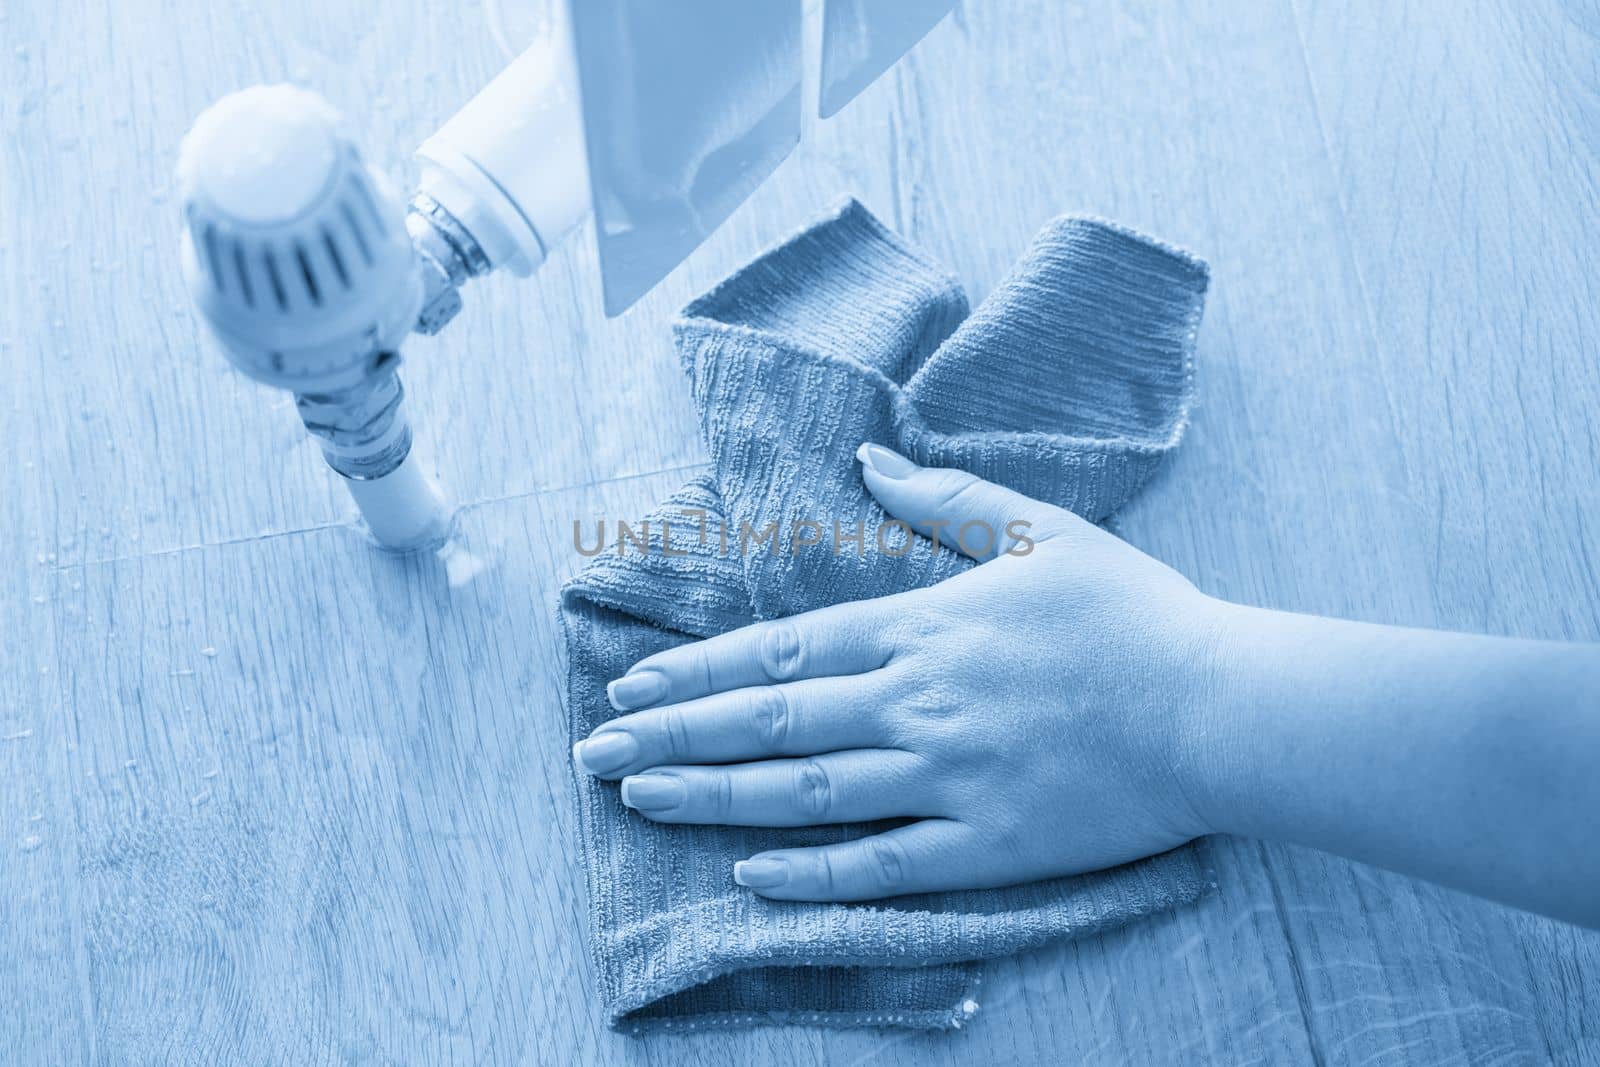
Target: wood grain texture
x: 345, y: 836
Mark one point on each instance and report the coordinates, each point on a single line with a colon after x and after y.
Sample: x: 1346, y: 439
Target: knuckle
x: 813, y: 792
x: 780, y: 651
x: 930, y: 719
x: 935, y: 699
x: 716, y: 794
x: 700, y: 668
x: 954, y: 488
x: 674, y: 733
x: 915, y: 628
x: 886, y: 862
x: 771, y: 713
x: 826, y: 876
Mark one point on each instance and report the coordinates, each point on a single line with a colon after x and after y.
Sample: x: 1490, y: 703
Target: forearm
x: 1470, y: 761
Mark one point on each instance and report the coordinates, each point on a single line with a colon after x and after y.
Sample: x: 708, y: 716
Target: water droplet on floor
x: 460, y: 566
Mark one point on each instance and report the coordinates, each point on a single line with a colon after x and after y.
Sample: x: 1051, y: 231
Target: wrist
x: 1212, y: 731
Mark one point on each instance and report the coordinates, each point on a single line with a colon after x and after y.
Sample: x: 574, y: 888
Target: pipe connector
x: 447, y: 257
x: 362, y: 428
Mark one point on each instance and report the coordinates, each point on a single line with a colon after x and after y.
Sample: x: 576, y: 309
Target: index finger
x: 843, y: 639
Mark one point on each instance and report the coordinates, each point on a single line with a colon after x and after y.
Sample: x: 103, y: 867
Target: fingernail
x: 760, y: 874
x: 636, y: 690
x: 883, y: 461
x: 604, y: 752
x: 653, y: 792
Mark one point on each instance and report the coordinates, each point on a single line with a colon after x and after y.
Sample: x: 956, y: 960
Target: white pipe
x: 510, y: 165
x: 404, y: 509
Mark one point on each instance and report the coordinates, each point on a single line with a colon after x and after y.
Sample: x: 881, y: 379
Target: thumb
x: 960, y: 510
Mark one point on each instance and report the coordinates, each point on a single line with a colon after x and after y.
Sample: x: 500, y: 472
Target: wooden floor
x: 267, y: 796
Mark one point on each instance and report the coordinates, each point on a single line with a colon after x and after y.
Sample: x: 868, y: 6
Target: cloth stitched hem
x: 954, y: 1017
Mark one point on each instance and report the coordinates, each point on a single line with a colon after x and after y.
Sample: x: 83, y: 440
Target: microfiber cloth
x: 1070, y: 383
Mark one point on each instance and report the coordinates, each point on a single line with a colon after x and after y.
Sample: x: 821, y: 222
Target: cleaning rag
x: 1070, y: 383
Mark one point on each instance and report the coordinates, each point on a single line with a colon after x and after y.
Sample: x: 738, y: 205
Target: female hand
x: 1028, y: 713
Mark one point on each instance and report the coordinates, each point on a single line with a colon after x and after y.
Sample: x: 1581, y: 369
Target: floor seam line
x: 273, y: 535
